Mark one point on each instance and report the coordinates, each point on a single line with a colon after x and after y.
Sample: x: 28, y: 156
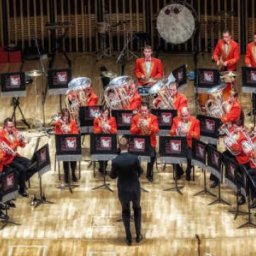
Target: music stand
x: 103, y: 148
x: 246, y: 177
x: 209, y: 129
x: 86, y: 118
x: 173, y: 150
x: 165, y: 118
x: 123, y: 120
x: 68, y: 148
x: 43, y: 164
x: 14, y: 85
x: 180, y: 75
x: 8, y: 191
x: 231, y: 169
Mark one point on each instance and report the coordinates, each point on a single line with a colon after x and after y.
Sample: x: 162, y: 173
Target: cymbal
x: 225, y: 74
x: 109, y: 74
x: 34, y: 73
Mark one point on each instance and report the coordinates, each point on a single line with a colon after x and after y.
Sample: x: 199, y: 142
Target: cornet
x: 7, y: 149
x: 144, y: 125
x: 182, y: 129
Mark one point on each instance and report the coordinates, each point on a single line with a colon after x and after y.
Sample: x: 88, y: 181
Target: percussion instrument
x: 182, y: 23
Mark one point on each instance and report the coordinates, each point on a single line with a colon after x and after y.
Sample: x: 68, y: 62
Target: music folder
x: 180, y: 75
x: 123, y: 120
x: 199, y: 149
x: 173, y: 149
x: 68, y: 147
x: 231, y: 168
x: 42, y: 157
x: 248, y: 80
x: 214, y: 160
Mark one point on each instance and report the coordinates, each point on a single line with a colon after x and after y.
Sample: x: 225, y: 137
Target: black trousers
x: 126, y: 215
x: 21, y: 165
x: 66, y: 166
x: 103, y: 165
x: 178, y: 167
x: 150, y: 165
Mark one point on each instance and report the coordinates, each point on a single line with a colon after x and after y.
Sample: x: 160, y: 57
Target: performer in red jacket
x: 10, y: 140
x: 91, y: 97
x: 145, y: 123
x: 66, y: 125
x: 135, y: 98
x: 250, y: 56
x: 104, y: 124
x: 188, y: 126
x: 226, y: 55
x: 148, y: 69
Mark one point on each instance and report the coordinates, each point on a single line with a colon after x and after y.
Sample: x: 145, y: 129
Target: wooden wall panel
x: 27, y: 18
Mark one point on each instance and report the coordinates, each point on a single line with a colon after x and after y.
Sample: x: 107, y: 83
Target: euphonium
x: 229, y: 141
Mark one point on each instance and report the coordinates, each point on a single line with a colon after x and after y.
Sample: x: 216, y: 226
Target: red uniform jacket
x: 152, y: 129
x: 250, y: 56
x: 234, y: 114
x: 14, y: 144
x: 2, y: 157
x: 98, y: 129
x: 180, y: 101
x: 92, y: 100
x: 135, y: 102
x: 156, y: 69
x: 232, y: 56
x: 72, y: 125
x: 193, y: 131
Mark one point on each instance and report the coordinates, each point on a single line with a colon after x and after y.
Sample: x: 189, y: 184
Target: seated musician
x: 91, y: 97
x: 134, y: 98
x: 188, y: 126
x: 104, y: 123
x: 176, y: 99
x: 148, y: 69
x: 145, y: 123
x: 66, y: 125
x: 11, y: 139
x: 226, y: 55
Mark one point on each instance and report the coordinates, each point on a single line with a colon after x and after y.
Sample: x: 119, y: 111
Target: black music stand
x: 180, y: 75
x: 173, y: 150
x: 68, y: 148
x: 139, y: 145
x: 231, y: 179
x: 103, y: 148
x: 14, y: 85
x: 246, y: 177
x: 8, y: 192
x: 43, y: 164
x: 165, y: 118
x: 123, y: 120
x: 209, y: 129
x: 57, y: 42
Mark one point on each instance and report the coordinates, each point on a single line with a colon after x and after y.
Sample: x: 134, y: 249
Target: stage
x: 86, y: 222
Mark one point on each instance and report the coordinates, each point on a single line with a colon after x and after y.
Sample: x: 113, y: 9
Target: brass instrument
x: 6, y: 148
x: 64, y: 126
x: 104, y: 124
x: 144, y: 125
x: 116, y: 95
x: 230, y: 140
x: 217, y: 107
x: 182, y: 129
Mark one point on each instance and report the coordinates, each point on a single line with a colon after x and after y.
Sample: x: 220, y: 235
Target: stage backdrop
x: 22, y: 21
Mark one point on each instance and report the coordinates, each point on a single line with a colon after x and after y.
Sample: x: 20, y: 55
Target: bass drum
x: 176, y: 23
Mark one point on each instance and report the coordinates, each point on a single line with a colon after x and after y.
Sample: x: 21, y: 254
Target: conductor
x: 126, y: 167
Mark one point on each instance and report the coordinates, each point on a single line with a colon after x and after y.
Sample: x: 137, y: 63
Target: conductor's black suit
x: 126, y: 167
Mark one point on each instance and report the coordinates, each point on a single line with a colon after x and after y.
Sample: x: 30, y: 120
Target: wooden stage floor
x: 86, y: 222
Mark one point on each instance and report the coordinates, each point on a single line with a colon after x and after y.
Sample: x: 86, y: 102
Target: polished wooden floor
x: 86, y: 222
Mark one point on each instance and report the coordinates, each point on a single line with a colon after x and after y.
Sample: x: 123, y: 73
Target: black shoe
x: 11, y: 204
x: 214, y: 184
x: 150, y: 179
x: 3, y: 216
x: 253, y: 205
x: 241, y: 200
x: 129, y: 242
x: 139, y: 238
x: 179, y: 175
x: 74, y: 178
x: 23, y: 193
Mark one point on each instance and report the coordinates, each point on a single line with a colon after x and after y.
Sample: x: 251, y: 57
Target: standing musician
x: 66, y: 125
x: 104, y: 123
x: 250, y: 56
x: 91, y: 97
x: 145, y: 123
x: 188, y: 126
x: 126, y: 167
x: 226, y: 55
x: 176, y: 99
x: 10, y: 140
x: 148, y: 69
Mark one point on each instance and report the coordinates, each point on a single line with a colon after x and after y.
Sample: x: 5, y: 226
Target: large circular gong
x: 176, y: 23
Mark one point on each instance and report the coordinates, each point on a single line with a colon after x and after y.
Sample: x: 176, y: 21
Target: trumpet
x: 64, y: 126
x: 144, y: 125
x: 182, y: 129
x: 104, y: 125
